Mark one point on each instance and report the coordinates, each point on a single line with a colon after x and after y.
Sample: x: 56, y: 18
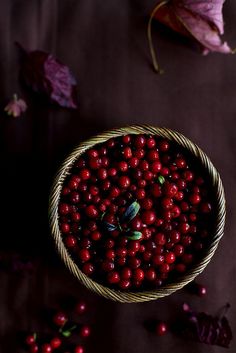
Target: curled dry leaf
x: 46, y: 75
x: 15, y: 107
x: 206, y: 328
x: 200, y: 20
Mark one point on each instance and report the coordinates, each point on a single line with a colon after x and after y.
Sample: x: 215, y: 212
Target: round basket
x: 132, y: 297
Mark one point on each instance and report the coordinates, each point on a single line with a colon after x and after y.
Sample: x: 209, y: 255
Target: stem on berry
x: 149, y: 36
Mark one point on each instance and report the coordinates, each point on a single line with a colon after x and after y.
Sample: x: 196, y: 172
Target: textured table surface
x: 104, y: 43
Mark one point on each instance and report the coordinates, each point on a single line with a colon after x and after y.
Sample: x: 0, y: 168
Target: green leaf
x: 135, y: 235
x: 161, y: 179
x: 109, y: 227
x: 66, y: 333
x: 131, y: 212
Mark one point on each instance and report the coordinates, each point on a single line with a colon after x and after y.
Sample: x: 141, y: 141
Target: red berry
x: 146, y: 204
x: 114, y: 192
x: 156, y: 190
x: 64, y: 208
x: 148, y: 217
x: 85, y: 174
x: 140, y: 153
x: 84, y: 331
x: 127, y: 153
x: 112, y: 172
x: 158, y: 260
x: 138, y: 274
x: 184, y: 227
x: 188, y: 176
x: 70, y: 241
x: 151, y: 143
x: 80, y: 307
x: 139, y: 141
x: 150, y: 274
x: 164, y: 145
x: 170, y: 258
x: 123, y: 166
x: 46, y: 348
x: 65, y: 228
x: 96, y: 235
x: 95, y: 163
x: 180, y: 163
x: 30, y: 339
x: 88, y: 268
x: 205, y: 207
x: 178, y: 250
x: 160, y: 239
x: 156, y: 167
x: 167, y: 203
x: 153, y: 155
x: 102, y: 174
x: 126, y: 273
x: 143, y: 165
x: 55, y: 342
x: 84, y: 255
x: 79, y: 349
x: 108, y: 266
x: 126, y: 139
x: 91, y: 211
x: 194, y: 199
x: 113, y: 277
x: 164, y: 268
x: 124, y: 182
x: 161, y: 328
x: 34, y: 348
x: 140, y: 194
x: 133, y: 162
x: 124, y: 284
x: 60, y: 319
x: 134, y: 262
x: 75, y: 217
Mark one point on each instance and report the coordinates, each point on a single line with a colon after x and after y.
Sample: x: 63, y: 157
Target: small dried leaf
x: 161, y: 179
x: 66, y: 333
x: 15, y: 107
x: 46, y: 75
x: 109, y: 227
x: 131, y: 212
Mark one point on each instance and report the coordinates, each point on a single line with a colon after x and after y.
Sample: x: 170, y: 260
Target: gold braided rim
x: 132, y: 297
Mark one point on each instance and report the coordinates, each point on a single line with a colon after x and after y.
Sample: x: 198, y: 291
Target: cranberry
x: 121, y: 252
x: 139, y: 153
x: 146, y: 204
x: 75, y: 216
x: 91, y: 211
x: 112, y: 172
x: 156, y: 190
x: 123, y: 166
x: 150, y: 274
x: 124, y: 284
x: 164, y: 268
x: 148, y: 217
x: 143, y: 165
x: 70, y: 241
x: 64, y: 209
x: 139, y: 141
x: 161, y: 328
x: 110, y: 254
x: 65, y: 228
x: 194, y: 199
x: 136, y: 223
x: 181, y: 268
x: 46, y: 348
x: 79, y: 349
x: 65, y: 191
x: 174, y: 236
x: 127, y: 153
x: 30, y: 339
x: 160, y: 239
x: 34, y: 348
x: 180, y: 163
x: 126, y: 139
x: 205, y: 207
x: 114, y: 192
x: 167, y: 203
x: 140, y: 194
x: 88, y: 268
x: 153, y: 155
x: 184, y: 228
x: 170, y: 189
x: 148, y: 175
x: 105, y: 162
x: 151, y: 143
x: 84, y: 255
x: 147, y: 256
x: 102, y: 174
x: 158, y: 260
x: 138, y: 274
x: 134, y: 262
x: 73, y: 184
x: 84, y: 331
x: 188, y: 176
x: 178, y: 250
x: 134, y: 162
x: 55, y: 342
x: 164, y: 145
x: 126, y: 273
x: 134, y: 245
x: 113, y: 277
x: 169, y: 258
x: 108, y: 265
x: 85, y: 174
x: 95, y: 163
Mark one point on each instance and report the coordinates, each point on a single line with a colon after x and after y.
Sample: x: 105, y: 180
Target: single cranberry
x: 164, y: 171
x: 85, y: 174
x: 184, y: 228
x: 143, y: 165
x: 84, y: 255
x: 138, y: 274
x: 188, y: 176
x: 112, y: 172
x: 148, y: 217
x: 146, y: 233
x: 158, y: 250
x: 87, y: 197
x: 34, y: 348
x: 110, y: 254
x: 174, y: 236
x: 55, y: 342
x: 123, y: 166
x: 85, y: 331
x: 170, y: 189
x: 187, y: 258
x: 164, y: 268
x: 88, y: 268
x: 180, y: 163
x: 73, y: 184
x: 60, y: 319
x: 205, y: 207
x: 150, y: 274
x: 75, y: 217
x: 148, y: 175
x: 124, y: 284
x: 79, y: 349
x: 105, y: 162
x: 70, y: 241
x: 146, y: 204
x: 164, y: 145
x: 95, y: 163
x: 160, y: 239
x: 102, y: 174
x: 111, y: 143
x: 85, y: 242
x: 121, y: 261
x: 121, y: 252
x: 126, y: 273
x: 181, y: 184
x: 92, y: 153
x: 181, y: 268
x: 80, y: 307
x: 108, y: 265
x: 74, y: 197
x: 96, y: 235
x: 151, y: 143
x: 195, y: 199
x: 91, y: 211
x: 178, y: 250
x: 64, y: 208
x: 83, y: 187
x: 113, y: 277
x: 127, y: 153
x: 169, y: 257
x: 139, y: 141
x: 134, y: 262
x: 153, y: 155
x: 134, y: 245
x: 156, y: 190
x: 140, y: 153
x: 114, y: 192
x: 142, y: 183
x: 158, y: 222
x: 126, y: 139
x: 142, y: 248
x: 65, y: 191
x: 30, y: 339
x: 158, y: 260
x: 161, y: 328
x: 147, y: 256
x: 179, y: 196
x: 65, y: 228
x: 140, y: 194
x: 167, y: 203
x: 134, y: 162
x: 175, y: 211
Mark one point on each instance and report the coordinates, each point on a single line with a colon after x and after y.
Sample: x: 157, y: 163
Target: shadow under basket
x: 217, y: 233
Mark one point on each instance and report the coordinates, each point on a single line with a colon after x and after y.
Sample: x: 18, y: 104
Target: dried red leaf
x: 15, y: 107
x: 199, y: 20
x: 205, y: 328
x: 46, y: 75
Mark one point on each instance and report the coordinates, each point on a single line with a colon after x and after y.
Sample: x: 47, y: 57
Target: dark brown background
x: 104, y: 43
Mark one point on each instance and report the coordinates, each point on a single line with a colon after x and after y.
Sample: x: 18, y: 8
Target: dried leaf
x: 205, y: 328
x: 200, y: 20
x: 109, y: 227
x: 15, y: 107
x: 44, y: 74
x: 135, y: 235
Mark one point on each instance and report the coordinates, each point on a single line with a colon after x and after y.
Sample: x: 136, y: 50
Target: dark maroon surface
x: 104, y: 43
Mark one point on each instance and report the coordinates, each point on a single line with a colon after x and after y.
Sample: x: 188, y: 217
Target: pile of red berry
x: 136, y: 211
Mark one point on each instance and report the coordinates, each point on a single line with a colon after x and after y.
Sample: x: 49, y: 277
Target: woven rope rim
x: 132, y: 297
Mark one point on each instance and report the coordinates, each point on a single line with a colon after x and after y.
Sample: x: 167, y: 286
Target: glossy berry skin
x: 55, y: 342
x: 113, y: 277
x: 91, y: 211
x: 161, y: 328
x: 30, y: 339
x: 79, y: 349
x: 85, y: 331
x: 60, y: 319
x: 46, y: 348
x: 148, y: 217
x: 80, y: 307
x: 84, y: 255
x: 34, y: 348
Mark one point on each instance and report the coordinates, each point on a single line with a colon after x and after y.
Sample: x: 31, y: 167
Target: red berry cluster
x: 61, y: 321
x: 161, y: 237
